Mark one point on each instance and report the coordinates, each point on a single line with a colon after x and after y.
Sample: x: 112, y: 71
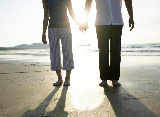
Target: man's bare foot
x: 103, y: 83
x: 115, y: 83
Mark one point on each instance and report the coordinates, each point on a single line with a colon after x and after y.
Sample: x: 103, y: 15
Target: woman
x: 59, y: 28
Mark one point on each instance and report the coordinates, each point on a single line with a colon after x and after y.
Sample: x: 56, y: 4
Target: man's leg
x: 115, y: 51
x: 103, y: 45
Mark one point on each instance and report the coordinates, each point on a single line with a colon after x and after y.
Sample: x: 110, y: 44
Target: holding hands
x: 82, y: 23
x: 83, y: 26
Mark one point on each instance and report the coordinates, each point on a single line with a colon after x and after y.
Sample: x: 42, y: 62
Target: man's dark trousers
x: 109, y: 71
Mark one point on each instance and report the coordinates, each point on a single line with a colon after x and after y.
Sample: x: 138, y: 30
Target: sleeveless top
x: 58, y: 14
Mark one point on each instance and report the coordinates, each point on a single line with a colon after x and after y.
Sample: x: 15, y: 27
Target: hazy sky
x: 21, y: 22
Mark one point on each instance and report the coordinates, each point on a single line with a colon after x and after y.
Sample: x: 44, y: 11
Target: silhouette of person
x: 109, y: 24
x: 55, y: 11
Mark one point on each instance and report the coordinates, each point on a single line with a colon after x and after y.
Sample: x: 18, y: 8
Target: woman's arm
x: 70, y: 9
x: 82, y: 27
x: 45, y: 21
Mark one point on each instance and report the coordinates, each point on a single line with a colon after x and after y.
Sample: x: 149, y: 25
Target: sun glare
x: 82, y: 18
x: 90, y: 35
x: 78, y: 7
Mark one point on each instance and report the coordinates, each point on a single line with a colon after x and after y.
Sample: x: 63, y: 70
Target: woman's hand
x: 45, y: 21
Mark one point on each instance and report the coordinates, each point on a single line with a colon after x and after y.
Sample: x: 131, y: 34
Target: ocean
x: 32, y: 54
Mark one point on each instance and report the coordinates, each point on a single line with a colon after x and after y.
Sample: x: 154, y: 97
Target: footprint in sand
x: 4, y: 73
x: 21, y: 72
x: 33, y: 64
x: 38, y: 71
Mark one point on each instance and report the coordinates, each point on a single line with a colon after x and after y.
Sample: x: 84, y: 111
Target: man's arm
x: 87, y: 7
x: 45, y: 21
x: 128, y: 4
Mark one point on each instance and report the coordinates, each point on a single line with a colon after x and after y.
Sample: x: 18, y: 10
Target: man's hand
x: 131, y: 23
x: 44, y: 39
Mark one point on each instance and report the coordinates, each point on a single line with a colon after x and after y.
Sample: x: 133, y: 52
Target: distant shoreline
x: 26, y: 46
x: 42, y: 46
x: 12, y: 48
x: 148, y: 49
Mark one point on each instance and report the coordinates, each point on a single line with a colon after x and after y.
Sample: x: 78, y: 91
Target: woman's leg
x: 68, y: 64
x: 59, y: 75
x: 55, y: 54
x: 67, y: 78
x: 60, y: 81
x: 66, y: 41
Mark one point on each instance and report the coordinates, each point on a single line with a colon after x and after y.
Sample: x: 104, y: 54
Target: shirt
x: 109, y: 12
x: 58, y: 14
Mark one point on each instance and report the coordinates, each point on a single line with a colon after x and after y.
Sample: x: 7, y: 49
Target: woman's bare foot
x: 58, y: 83
x: 103, y: 83
x: 67, y: 81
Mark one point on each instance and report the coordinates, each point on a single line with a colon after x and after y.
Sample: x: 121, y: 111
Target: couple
x: 109, y: 24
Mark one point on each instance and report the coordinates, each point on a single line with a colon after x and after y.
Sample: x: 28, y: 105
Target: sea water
x: 150, y: 49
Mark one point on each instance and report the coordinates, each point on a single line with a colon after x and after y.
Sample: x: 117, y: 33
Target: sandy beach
x: 26, y: 89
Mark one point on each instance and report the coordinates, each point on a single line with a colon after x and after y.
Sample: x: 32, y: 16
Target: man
x: 109, y: 25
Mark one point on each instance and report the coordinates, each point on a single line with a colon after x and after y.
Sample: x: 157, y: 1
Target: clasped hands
x: 83, y: 26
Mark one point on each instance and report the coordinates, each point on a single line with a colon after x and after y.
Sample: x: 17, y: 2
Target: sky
x: 21, y: 22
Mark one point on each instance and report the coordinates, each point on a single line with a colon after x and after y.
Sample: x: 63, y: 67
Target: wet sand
x: 26, y: 89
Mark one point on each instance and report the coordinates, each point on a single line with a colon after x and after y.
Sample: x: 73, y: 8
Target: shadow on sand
x: 126, y: 105
x: 58, y: 111
x: 123, y: 103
